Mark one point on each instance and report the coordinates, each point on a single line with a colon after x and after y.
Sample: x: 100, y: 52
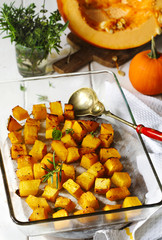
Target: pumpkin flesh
x: 114, y: 24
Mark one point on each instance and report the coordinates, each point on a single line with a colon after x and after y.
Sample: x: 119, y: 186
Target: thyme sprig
x: 57, y: 169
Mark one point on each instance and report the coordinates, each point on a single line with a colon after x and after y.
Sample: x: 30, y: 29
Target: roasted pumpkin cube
x: 107, y: 129
x: 106, y: 140
x: 30, y: 133
x: 37, y: 202
x: 69, y: 111
x: 69, y: 171
x: 91, y: 126
x: 57, y: 180
x: 39, y: 111
x: 73, y: 188
x: 97, y: 169
x: 15, y: 137
x: 69, y: 114
x: 115, y: 194
x: 83, y: 151
x: 50, y: 193
x: 65, y: 203
x: 90, y: 141
x: 121, y: 179
x: 29, y: 187
x: 60, y: 213
x: 86, y: 180
x: 25, y: 173
x: 38, y: 151
x: 24, y: 160
x: 33, y: 121
x: 13, y: 125
x: 102, y: 185
x: 56, y: 109
x: 72, y: 155
x: 60, y: 149
x: 20, y: 113
x: 52, y: 120
x: 67, y: 125
x: 113, y: 165
x: 48, y: 160
x: 88, y: 160
x: 38, y: 214
x: 17, y: 150
x: 49, y: 132
x: 79, y: 131
x: 106, y: 153
x: 131, y: 201
x: 88, y: 199
x: 68, y: 141
x: 39, y: 170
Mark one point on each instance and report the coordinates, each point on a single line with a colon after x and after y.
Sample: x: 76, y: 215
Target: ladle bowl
x: 86, y: 103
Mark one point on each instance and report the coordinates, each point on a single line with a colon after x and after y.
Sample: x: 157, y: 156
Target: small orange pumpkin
x: 145, y: 71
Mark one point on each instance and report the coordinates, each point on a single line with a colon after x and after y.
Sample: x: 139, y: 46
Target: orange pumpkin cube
x: 29, y: 187
x: 90, y: 141
x: 20, y: 113
x: 72, y: 154
x: 91, y: 126
x: 39, y: 170
x: 119, y: 193
x: 69, y: 170
x: 56, y: 109
x: 88, y: 160
x: 65, y: 203
x: 38, y: 214
x: 88, y: 199
x: 52, y: 120
x: 24, y: 160
x: 50, y: 193
x: 39, y: 111
x: 13, y: 125
x: 86, y: 180
x: 113, y: 165
x: 73, y: 188
x: 25, y: 173
x: 15, y: 137
x: 102, y: 185
x: 97, y: 169
x: 106, y: 153
x: 37, y: 202
x: 121, y: 179
x: 60, y: 149
x: 30, y: 133
x: 58, y: 180
x: 17, y: 150
x: 68, y: 141
x: 106, y: 129
x: 38, y: 151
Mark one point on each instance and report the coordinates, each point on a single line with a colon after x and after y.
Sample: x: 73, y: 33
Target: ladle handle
x: 149, y: 132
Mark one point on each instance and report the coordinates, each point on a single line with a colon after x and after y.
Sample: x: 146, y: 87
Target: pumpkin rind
x: 123, y: 39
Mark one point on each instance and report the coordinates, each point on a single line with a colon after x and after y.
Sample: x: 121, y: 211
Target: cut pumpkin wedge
x: 113, y: 24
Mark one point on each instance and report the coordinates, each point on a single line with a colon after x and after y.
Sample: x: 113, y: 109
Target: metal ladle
x: 86, y: 103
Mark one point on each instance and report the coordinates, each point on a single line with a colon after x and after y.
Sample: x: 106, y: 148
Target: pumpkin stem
x: 153, y: 53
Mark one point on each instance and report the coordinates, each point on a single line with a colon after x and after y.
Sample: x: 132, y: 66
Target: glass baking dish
x: 135, y: 158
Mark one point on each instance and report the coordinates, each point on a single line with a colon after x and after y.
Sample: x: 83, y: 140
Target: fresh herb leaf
x: 51, y: 85
x: 57, y: 171
x: 93, y: 134
x: 69, y: 131
x: 22, y: 88
x: 56, y: 134
x: 42, y: 98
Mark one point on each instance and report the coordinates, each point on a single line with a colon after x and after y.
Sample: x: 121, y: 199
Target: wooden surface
x: 87, y: 53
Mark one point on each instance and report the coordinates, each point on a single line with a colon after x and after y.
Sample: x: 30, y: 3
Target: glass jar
x: 31, y: 63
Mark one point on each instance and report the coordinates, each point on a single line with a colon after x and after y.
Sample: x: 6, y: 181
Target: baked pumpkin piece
x: 65, y: 203
x: 15, y: 137
x: 88, y: 199
x: 39, y: 111
x: 20, y: 113
x: 38, y: 151
x: 113, y: 24
x: 13, y: 125
x: 38, y: 214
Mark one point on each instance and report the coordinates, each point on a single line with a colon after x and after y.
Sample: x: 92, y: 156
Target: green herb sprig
x: 56, y: 134
x: 57, y: 169
x: 23, y: 25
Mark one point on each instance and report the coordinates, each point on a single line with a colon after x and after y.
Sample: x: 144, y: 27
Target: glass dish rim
x: 6, y: 186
